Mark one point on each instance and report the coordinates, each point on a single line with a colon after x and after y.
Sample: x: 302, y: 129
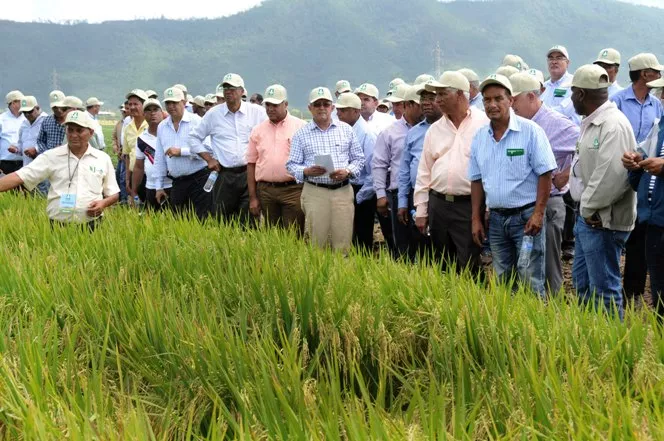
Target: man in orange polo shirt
x: 272, y: 189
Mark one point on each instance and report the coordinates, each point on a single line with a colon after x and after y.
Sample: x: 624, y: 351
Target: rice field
x: 155, y: 328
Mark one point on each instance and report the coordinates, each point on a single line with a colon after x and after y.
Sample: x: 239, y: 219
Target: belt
x: 450, y: 197
x: 330, y: 186
x: 559, y: 195
x: 278, y: 184
x: 194, y: 175
x: 240, y: 169
x: 512, y: 211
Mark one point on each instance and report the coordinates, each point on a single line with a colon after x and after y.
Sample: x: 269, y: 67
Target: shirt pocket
x: 516, y: 166
x: 92, y: 179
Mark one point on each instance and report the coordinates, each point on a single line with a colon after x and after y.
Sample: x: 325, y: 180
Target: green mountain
x: 306, y: 43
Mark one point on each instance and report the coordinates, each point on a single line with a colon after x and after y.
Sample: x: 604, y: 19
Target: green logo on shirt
x: 595, y: 143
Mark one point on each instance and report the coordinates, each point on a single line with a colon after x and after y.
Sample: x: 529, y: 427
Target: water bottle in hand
x: 525, y: 252
x: 209, y: 184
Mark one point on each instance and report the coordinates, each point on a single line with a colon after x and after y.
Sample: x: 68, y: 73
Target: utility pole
x: 438, y: 60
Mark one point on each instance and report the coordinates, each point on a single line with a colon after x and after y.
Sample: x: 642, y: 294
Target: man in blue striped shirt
x: 510, y: 167
x: 325, y: 155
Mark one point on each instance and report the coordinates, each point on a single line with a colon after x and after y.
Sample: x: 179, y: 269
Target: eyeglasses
x: 321, y: 103
x: 231, y: 88
x: 558, y: 58
x: 152, y: 109
x: 28, y: 112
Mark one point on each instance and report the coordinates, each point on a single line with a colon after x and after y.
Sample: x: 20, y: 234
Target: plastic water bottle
x: 209, y: 184
x: 525, y: 252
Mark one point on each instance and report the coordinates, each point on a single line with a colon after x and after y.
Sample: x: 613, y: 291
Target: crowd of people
x: 513, y: 164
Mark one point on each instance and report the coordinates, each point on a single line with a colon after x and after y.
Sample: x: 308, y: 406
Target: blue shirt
x: 410, y: 160
x: 510, y: 168
x: 338, y: 140
x: 555, y: 93
x: 367, y: 138
x: 640, y: 116
x: 478, y: 101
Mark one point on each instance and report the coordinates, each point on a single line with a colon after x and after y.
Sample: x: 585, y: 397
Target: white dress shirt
x: 9, y: 128
x: 99, y: 132
x: 229, y: 133
x: 27, y: 136
x: 380, y: 121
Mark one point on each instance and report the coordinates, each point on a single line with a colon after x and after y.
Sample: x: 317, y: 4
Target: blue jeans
x: 505, y: 236
x: 121, y: 177
x: 596, y: 269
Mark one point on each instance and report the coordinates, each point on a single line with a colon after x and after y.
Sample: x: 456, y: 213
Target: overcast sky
x: 95, y: 11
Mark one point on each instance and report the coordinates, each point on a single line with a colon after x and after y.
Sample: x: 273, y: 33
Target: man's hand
x: 631, y: 160
x: 652, y: 165
x: 339, y: 175
x: 96, y: 208
x: 381, y: 207
x: 254, y: 206
x: 534, y: 224
x: 12, y: 149
x: 315, y: 170
x: 214, y: 165
x: 422, y: 223
x: 30, y: 152
x: 402, y: 215
x: 161, y: 196
x: 594, y: 220
x: 478, y: 231
x: 561, y: 179
x: 173, y: 152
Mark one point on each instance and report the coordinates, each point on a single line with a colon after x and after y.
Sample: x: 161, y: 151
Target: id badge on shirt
x: 68, y: 203
x: 559, y: 93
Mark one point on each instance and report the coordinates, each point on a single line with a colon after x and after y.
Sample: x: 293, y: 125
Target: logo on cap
x: 364, y: 87
x: 228, y: 76
x: 605, y: 54
x: 270, y: 92
x: 518, y: 65
x: 170, y: 92
x: 321, y: 92
x: 74, y: 115
x: 24, y: 103
x: 493, y: 77
x: 54, y: 96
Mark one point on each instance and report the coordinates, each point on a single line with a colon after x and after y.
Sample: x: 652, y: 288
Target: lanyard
x: 70, y: 174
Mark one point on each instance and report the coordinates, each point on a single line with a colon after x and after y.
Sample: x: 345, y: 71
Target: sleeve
x: 160, y: 166
x: 634, y: 178
x: 355, y: 154
x: 367, y: 190
x: 126, y: 149
x: 474, y: 171
x: 35, y: 172
x: 423, y: 181
x: 198, y: 134
x: 21, y: 136
x: 41, y: 140
x: 380, y: 164
x: 110, y: 183
x: 295, y: 163
x: 541, y: 155
x: 252, y: 147
x: 403, y: 184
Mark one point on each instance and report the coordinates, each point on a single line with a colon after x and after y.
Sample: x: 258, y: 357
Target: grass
x: 164, y: 329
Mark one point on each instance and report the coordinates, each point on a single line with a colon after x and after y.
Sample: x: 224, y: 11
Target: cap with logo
x: 174, y: 95
x: 469, y: 74
x: 507, y: 71
x: 496, y: 79
x: 608, y: 56
x: 72, y: 102
x: 419, y: 88
x: 233, y: 80
x: 412, y: 94
x: 343, y: 86
x: 450, y: 78
x: 558, y: 48
x: 421, y: 79
x: 199, y: 100
x: 211, y: 98
x: 644, y: 61
x: 190, y: 98
x: 537, y: 74
x: 28, y: 103
x: 348, y: 100
x: 514, y: 61
x: 398, y: 94
x: 14, y: 95
x: 385, y: 103
x: 319, y: 93
x: 182, y: 87
x: 56, y: 96
x: 80, y: 118
x: 219, y: 92
x: 138, y: 93
x: 590, y: 76
x: 368, y: 89
x: 394, y: 83
x: 524, y: 82
x: 152, y: 94
x: 93, y: 101
x: 275, y: 94
x: 151, y: 102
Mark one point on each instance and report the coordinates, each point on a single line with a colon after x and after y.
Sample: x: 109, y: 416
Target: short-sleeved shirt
x: 130, y: 135
x: 641, y: 116
x: 510, y: 168
x: 91, y: 178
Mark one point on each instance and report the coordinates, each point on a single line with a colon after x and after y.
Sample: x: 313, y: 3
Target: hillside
x: 304, y: 43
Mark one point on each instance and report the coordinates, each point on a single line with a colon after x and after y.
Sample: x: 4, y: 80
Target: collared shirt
x: 269, y: 146
x: 614, y: 88
x: 640, y: 116
x: 338, y: 140
x: 99, y: 141
x: 387, y: 156
x: 380, y: 121
x: 176, y: 166
x: 478, y: 102
x: 367, y: 139
x: 229, y: 132
x: 9, y: 128
x: 125, y: 123
x: 51, y: 135
x: 566, y: 108
x: 562, y: 135
x: 91, y: 178
x: 130, y: 136
x: 510, y: 168
x: 555, y: 93
x: 27, y: 136
x: 146, y: 147
x: 444, y: 162
x: 410, y: 161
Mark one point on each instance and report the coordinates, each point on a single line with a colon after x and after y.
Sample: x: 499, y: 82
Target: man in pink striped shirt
x: 272, y: 190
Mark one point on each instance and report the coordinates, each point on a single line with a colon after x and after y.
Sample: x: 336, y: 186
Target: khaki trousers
x: 328, y: 216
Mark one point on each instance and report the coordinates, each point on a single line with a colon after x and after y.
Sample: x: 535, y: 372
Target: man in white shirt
x: 93, y: 105
x: 229, y: 125
x: 557, y: 93
x: 10, y: 123
x: 368, y: 94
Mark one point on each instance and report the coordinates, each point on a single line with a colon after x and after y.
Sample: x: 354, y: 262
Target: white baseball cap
x: 151, y: 102
x: 421, y: 79
x: 233, y: 79
x: 199, y: 100
x: 469, y: 74
x: 275, y: 94
x: 398, y: 93
x: 497, y: 79
x: 28, y: 103
x: 368, y: 89
x: 450, y: 78
x: 343, y: 86
x: 72, y: 102
x: 14, y: 95
x: 523, y: 82
x: 93, y: 101
x: 80, y: 118
x: 514, y: 61
x: 558, y: 48
x: 590, y: 76
x: 608, y: 56
x: 174, y: 94
x: 138, y: 93
x: 644, y: 61
x: 182, y: 87
x: 348, y: 100
x: 507, y: 71
x: 319, y: 93
x: 56, y: 97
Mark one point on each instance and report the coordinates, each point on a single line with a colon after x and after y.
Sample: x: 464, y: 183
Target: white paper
x: 324, y: 161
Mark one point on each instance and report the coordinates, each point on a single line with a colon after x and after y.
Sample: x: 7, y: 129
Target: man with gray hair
x: 474, y: 92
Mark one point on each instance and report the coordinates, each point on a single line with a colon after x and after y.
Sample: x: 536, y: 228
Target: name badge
x: 515, y: 152
x: 68, y: 203
x: 559, y: 93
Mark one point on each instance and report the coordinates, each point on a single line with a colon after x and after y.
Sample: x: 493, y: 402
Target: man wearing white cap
x: 384, y: 106
x: 82, y: 180
x: 342, y: 86
x: 136, y: 126
x: 220, y: 94
x: 29, y: 131
x: 175, y: 160
x: 514, y: 61
x: 93, y: 105
x: 607, y: 208
x: 442, y: 189
x: 397, y: 99
x: 10, y: 124
x: 272, y: 190
x: 52, y: 131
x: 474, y: 81
x: 643, y: 111
x: 146, y: 148
x: 609, y: 59
x: 368, y: 94
x: 510, y: 168
x: 198, y: 106
x: 562, y: 135
x: 556, y: 86
x: 393, y: 84
x: 229, y: 126
x: 325, y: 155
x: 210, y: 101
x: 348, y: 108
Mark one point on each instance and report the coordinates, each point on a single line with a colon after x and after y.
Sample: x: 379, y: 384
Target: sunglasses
x: 321, y: 103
